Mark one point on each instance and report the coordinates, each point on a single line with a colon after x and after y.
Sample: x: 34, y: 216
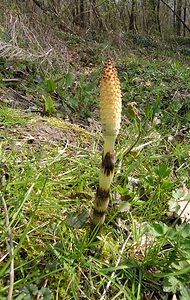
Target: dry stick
x: 3, y: 257
x: 117, y: 264
x: 11, y: 251
x: 11, y: 80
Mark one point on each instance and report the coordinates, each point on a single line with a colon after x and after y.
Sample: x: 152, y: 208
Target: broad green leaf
x: 162, y: 171
x: 46, y: 293
x: 51, y: 85
x: 171, y: 284
x: 185, y: 294
x: 158, y: 229
x: 49, y: 105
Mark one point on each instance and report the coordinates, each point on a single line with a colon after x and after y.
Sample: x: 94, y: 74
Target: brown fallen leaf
x: 180, y: 204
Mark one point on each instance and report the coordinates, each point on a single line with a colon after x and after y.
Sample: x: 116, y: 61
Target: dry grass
x: 28, y: 34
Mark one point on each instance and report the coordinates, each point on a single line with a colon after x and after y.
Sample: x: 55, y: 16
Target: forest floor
x: 50, y: 150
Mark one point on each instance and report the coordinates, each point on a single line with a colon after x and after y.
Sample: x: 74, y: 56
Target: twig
x: 3, y: 257
x: 11, y: 80
x: 181, y: 95
x: 142, y: 146
x: 113, y: 274
x: 40, y: 226
x: 11, y: 251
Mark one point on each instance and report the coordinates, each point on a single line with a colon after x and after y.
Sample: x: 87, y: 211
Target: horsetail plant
x: 110, y: 114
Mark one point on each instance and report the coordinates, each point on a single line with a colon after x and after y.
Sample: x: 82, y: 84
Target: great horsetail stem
x: 110, y: 114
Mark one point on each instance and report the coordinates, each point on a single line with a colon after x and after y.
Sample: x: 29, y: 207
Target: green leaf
x: 158, y: 229
x: 185, y: 294
x: 171, y: 284
x: 48, y: 104
x: 50, y: 85
x: 74, y: 102
x: 162, y: 171
x: 173, y: 205
x: 171, y: 233
x: 77, y: 221
x: 177, y: 194
x: 25, y: 290
x: 89, y: 87
x: 149, y: 180
x: 185, y: 232
x: 149, y: 111
x: 28, y: 297
x: 46, y: 293
x: 156, y: 107
x: 69, y: 80
x: 20, y: 297
x: 33, y: 289
x: 153, y: 109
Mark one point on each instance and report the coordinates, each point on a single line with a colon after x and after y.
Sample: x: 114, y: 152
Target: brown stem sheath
x: 103, y: 191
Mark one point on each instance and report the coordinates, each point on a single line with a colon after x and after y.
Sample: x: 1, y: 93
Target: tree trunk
x: 179, y: 13
x: 174, y: 17
x: 158, y: 16
x: 144, y: 16
x: 184, y: 17
x: 101, y: 26
x: 132, y: 26
x: 82, y: 15
x: 154, y: 11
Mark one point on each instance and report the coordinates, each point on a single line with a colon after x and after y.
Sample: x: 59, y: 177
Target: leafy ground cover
x: 50, y: 155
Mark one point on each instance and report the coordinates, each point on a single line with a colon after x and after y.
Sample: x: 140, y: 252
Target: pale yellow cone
x: 110, y: 105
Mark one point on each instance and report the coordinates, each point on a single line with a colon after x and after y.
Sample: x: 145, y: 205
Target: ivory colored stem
x: 109, y: 144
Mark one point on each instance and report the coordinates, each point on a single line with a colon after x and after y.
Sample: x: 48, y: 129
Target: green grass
x: 49, y: 193
x: 10, y: 117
